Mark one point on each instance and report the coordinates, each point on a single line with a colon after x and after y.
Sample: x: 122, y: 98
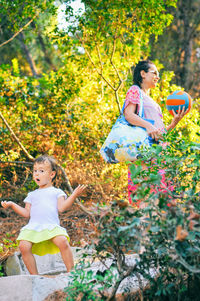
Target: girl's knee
x: 62, y: 243
x: 25, y: 247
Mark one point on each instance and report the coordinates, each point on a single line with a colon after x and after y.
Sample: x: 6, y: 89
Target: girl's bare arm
x: 64, y: 204
x: 25, y: 212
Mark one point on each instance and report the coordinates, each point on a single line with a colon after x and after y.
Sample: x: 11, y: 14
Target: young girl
x: 43, y: 233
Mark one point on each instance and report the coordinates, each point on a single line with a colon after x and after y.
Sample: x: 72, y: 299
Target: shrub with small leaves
x: 164, y: 232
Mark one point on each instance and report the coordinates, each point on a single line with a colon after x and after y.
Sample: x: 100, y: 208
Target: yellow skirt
x: 41, y: 240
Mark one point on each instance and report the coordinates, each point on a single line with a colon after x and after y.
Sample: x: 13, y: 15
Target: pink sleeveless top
x: 152, y: 110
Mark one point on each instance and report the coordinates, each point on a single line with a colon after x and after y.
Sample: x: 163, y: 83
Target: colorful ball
x: 178, y: 99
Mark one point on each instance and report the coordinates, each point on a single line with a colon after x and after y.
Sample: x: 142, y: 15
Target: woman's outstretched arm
x: 177, y: 117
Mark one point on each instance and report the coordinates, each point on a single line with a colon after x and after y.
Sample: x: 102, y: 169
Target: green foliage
x: 73, y: 96
x: 36, y: 38
x: 165, y: 233
x: 7, y: 245
x: 18, y: 11
x: 114, y: 35
x: 68, y: 112
x: 82, y: 281
x: 34, y: 108
x: 1, y: 273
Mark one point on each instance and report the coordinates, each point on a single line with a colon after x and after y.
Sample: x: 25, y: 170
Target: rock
x: 29, y: 287
x: 13, y: 265
x: 47, y: 264
x: 25, y: 287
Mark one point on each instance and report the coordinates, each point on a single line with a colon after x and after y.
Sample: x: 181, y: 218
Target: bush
x: 165, y: 233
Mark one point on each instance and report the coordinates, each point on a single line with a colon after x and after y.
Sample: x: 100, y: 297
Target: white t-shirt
x: 44, y: 208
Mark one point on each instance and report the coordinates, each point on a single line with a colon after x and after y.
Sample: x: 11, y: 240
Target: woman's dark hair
x: 51, y: 160
x: 142, y: 65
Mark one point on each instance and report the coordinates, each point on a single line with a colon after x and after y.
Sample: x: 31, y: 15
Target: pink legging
x: 133, y: 187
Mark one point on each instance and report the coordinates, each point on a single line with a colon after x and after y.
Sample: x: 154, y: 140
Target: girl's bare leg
x: 62, y: 243
x: 27, y: 256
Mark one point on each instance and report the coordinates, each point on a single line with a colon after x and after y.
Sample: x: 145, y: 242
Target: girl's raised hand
x: 6, y: 204
x: 79, y: 190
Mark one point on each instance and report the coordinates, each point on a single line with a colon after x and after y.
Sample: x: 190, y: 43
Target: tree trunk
x: 186, y: 79
x: 16, y: 139
x: 185, y: 10
x: 43, y: 47
x: 28, y: 55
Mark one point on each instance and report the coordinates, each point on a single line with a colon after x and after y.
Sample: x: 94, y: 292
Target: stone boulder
x: 19, y: 285
x: 47, y: 264
x: 30, y: 287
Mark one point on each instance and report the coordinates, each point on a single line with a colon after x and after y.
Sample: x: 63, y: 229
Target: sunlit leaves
x: 115, y: 35
x: 18, y: 11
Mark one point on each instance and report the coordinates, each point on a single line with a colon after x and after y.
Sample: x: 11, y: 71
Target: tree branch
x: 18, y: 32
x: 192, y: 269
x: 118, y: 282
x: 111, y: 61
x: 99, y: 55
x: 101, y: 72
x: 16, y: 162
x: 16, y: 139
